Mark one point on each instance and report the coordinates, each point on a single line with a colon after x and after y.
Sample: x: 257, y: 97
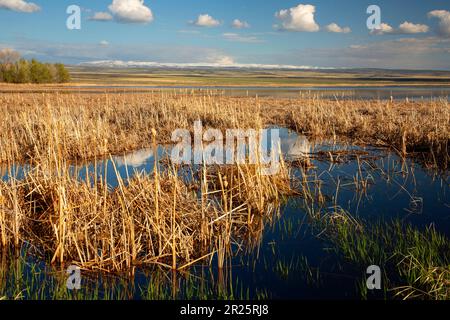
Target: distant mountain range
x: 150, y: 64
x: 120, y: 64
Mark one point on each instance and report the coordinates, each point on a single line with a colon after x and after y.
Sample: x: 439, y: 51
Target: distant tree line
x: 14, y: 69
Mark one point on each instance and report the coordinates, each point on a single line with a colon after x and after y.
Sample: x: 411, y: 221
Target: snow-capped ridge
x: 151, y: 64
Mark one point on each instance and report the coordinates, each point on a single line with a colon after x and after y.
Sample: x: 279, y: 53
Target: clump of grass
x: 246, y: 184
x: 11, y: 213
x: 416, y: 262
x: 147, y: 219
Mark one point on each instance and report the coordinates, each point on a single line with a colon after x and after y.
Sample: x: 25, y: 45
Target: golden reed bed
x: 88, y: 125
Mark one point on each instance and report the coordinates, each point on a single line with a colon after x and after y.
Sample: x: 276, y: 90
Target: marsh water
x: 289, y: 259
x: 341, y: 92
x: 416, y: 92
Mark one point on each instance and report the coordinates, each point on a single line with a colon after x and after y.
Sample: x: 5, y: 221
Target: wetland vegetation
x: 84, y: 182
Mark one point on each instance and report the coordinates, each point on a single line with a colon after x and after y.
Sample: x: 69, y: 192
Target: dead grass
x: 81, y: 126
x: 148, y: 219
x: 408, y: 127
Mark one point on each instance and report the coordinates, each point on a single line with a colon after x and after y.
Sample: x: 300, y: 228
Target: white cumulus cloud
x: 404, y: 28
x: 299, y: 18
x: 408, y: 27
x: 444, y: 21
x: 205, y: 20
x: 383, y: 29
x: 101, y: 16
x: 131, y: 11
x: 238, y: 24
x: 19, y: 5
x: 333, y: 27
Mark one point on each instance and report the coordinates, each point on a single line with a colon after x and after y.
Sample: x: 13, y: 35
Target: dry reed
x: 89, y: 125
x: 147, y: 219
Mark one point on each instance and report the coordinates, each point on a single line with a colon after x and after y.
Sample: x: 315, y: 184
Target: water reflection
x: 135, y: 159
x: 295, y: 146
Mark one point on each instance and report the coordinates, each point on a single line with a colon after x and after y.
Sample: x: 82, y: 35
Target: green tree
x: 35, y: 76
x: 62, y: 74
x: 8, y: 74
x: 39, y: 72
x: 46, y: 73
x: 22, y: 72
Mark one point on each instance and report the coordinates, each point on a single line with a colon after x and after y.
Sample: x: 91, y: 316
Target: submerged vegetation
x: 416, y: 263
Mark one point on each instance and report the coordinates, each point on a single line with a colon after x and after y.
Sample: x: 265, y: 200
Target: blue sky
x: 171, y: 31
